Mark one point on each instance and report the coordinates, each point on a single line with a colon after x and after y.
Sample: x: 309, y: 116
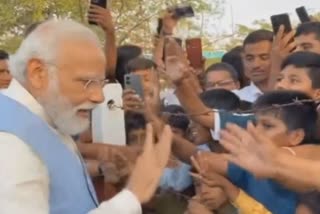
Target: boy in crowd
x: 144, y: 68
x: 288, y: 127
x: 135, y: 125
x: 189, y: 100
x: 301, y: 72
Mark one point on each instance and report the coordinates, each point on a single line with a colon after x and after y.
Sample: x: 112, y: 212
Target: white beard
x: 61, y: 111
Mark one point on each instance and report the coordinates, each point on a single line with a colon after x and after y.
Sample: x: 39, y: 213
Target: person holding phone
x: 102, y: 17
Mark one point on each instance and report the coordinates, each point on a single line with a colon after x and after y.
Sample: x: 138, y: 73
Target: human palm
x: 250, y: 149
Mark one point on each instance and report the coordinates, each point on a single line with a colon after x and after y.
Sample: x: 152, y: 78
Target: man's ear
x: 37, y: 74
x: 296, y: 137
x: 316, y: 94
x: 237, y: 84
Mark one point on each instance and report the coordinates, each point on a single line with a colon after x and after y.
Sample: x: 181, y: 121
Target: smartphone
x: 183, y: 11
x: 194, y: 52
x: 303, y: 14
x: 108, y: 124
x: 100, y: 3
x: 281, y: 19
x: 133, y: 81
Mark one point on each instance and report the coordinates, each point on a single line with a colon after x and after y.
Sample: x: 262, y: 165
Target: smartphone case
x: 108, y: 125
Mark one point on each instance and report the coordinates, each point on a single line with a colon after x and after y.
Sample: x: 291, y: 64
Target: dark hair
x: 125, y: 54
x: 258, y: 36
x: 3, y: 55
x: 134, y: 121
x: 245, y: 105
x: 223, y: 67
x: 300, y: 116
x: 308, y: 60
x: 311, y: 200
x: 308, y: 28
x: 220, y: 99
x: 179, y: 120
x: 140, y: 63
x: 233, y: 57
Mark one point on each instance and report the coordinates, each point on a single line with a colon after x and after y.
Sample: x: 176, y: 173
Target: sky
x: 246, y: 11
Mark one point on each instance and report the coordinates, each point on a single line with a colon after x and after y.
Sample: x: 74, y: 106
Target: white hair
x: 44, y: 43
x: 61, y: 111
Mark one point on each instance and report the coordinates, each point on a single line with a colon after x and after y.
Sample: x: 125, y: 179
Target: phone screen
x: 281, y: 19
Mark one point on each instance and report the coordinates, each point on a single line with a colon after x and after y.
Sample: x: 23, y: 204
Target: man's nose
x: 97, y: 96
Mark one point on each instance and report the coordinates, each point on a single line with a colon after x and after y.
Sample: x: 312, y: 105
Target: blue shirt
x: 179, y: 179
x: 272, y: 195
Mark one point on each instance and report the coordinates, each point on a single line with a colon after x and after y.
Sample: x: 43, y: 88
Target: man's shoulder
x: 14, y: 151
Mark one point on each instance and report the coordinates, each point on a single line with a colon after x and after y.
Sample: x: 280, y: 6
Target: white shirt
x: 249, y: 93
x: 24, y: 180
x: 169, y: 97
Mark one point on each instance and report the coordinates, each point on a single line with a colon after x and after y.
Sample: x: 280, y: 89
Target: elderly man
x: 59, y: 73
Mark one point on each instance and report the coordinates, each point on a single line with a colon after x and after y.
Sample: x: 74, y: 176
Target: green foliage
x: 135, y: 19
x: 242, y: 31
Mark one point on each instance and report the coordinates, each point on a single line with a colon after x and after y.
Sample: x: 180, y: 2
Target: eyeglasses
x: 91, y: 84
x: 220, y: 84
x: 88, y: 84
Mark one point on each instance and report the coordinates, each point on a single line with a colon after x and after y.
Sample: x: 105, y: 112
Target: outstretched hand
x: 250, y: 149
x: 147, y: 172
x: 283, y: 44
x: 176, y: 64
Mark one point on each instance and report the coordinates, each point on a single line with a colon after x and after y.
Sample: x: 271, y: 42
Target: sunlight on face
x: 292, y: 78
x: 273, y: 127
x: 61, y: 111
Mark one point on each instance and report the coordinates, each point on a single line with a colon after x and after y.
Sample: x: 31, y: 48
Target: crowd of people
x: 240, y: 136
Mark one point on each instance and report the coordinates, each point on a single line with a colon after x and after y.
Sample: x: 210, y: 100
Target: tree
x: 237, y: 37
x: 17, y: 15
x: 135, y: 19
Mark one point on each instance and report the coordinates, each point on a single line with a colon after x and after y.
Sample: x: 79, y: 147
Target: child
x: 288, y: 127
x: 301, y: 72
